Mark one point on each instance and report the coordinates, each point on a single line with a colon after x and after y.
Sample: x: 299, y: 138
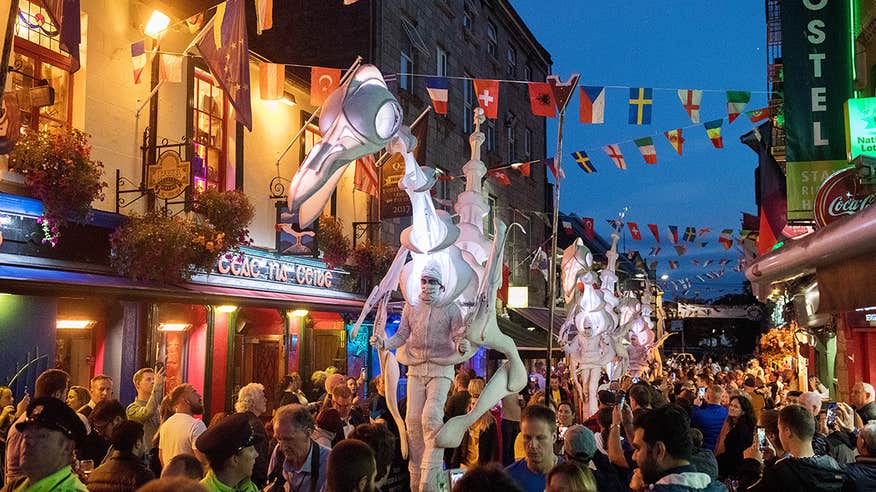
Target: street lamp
x: 157, y: 24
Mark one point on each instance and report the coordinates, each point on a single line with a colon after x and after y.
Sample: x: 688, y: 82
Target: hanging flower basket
x: 335, y: 246
x: 371, y: 260
x: 58, y: 171
x: 170, y: 249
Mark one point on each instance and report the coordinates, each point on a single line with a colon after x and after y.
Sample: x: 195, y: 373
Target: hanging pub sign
x: 817, y: 71
x: 169, y: 177
x: 394, y: 201
x: 842, y: 194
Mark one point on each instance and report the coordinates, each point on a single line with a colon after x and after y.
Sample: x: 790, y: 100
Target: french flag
x: 437, y: 87
x: 138, y: 59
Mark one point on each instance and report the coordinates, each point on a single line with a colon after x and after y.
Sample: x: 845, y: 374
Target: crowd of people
x: 694, y: 426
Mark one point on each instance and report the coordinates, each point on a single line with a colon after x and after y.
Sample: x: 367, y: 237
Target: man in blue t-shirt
x: 538, y: 427
x: 710, y: 416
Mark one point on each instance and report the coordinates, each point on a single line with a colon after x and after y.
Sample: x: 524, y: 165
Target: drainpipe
x: 841, y: 240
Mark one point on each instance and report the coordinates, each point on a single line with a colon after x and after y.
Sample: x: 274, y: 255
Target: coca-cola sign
x: 840, y: 195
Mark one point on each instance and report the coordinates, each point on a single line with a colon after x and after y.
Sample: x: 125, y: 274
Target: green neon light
x: 778, y: 245
x: 852, y: 26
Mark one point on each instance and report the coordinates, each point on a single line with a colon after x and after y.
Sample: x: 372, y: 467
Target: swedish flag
x: 641, y: 100
x: 583, y: 161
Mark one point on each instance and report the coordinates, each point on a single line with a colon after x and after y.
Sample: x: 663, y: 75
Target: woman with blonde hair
x: 568, y: 476
x: 480, y: 444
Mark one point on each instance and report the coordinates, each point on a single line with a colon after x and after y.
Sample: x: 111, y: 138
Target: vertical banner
x: 817, y: 82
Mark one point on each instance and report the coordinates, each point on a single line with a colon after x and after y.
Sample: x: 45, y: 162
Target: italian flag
x: 736, y: 102
x: 646, y: 147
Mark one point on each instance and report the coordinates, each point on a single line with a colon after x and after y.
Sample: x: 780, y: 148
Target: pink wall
x: 99, y: 337
x: 197, y: 350
x: 220, y: 359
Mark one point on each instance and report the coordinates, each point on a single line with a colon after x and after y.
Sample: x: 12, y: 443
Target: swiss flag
x: 541, y: 98
x: 323, y: 81
x: 500, y: 176
x: 634, y: 231
x: 588, y: 227
x: 487, y: 94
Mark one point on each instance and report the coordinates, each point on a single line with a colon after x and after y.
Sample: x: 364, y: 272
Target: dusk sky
x: 665, y: 45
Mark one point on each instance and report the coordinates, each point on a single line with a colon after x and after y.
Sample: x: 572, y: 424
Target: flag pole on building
x: 562, y: 94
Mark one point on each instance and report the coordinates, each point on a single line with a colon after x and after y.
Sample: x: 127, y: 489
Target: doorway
x: 330, y: 349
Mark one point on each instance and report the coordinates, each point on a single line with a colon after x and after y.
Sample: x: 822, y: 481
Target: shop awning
x: 51, y: 281
x: 529, y: 336
x: 540, y: 316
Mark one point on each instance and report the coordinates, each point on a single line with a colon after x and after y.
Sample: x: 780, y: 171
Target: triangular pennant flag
x: 562, y: 90
x: 756, y: 115
x: 365, y: 177
x: 690, y: 99
x: 703, y: 231
x: 170, y: 68
x: 500, y: 176
x: 707, y: 263
x: 723, y: 261
x: 703, y: 244
x: 655, y: 232
x: 634, y: 231
x: 613, y: 151
x: 726, y: 238
x: 567, y: 226
x: 673, y: 233
x: 487, y: 93
x: 736, y: 102
x: 713, y: 129
x: 583, y: 161
x: 272, y: 76
x: 138, y: 59
x: 437, y: 89
x: 552, y: 165
x: 646, y: 148
x: 695, y: 262
x: 523, y: 168
x: 641, y: 102
x: 592, y: 110
x: 680, y: 249
x: 690, y: 234
x: 673, y: 264
x: 675, y: 139
x: 655, y: 250
x: 589, y: 232
x: 541, y: 99
x: 323, y: 81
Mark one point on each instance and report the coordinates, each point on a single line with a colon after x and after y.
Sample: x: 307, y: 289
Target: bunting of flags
x: 690, y: 234
x: 589, y: 225
x: 675, y: 139
x: 673, y: 233
x: 487, y: 94
x: 592, y: 110
x: 583, y: 161
x: 541, y: 99
x: 138, y: 59
x: 655, y: 232
x: 272, y: 76
x: 736, y: 102
x: 614, y: 153
x: 170, y: 68
x: 646, y: 148
x: 437, y: 89
x: 323, y: 81
x: 690, y: 100
x: 634, y: 231
x: 641, y: 102
x: 713, y: 129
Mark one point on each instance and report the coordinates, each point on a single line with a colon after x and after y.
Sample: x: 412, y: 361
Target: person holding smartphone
x: 708, y: 415
x: 149, y: 384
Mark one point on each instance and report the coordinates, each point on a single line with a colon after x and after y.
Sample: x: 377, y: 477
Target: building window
x: 441, y: 69
x: 38, y: 56
x: 211, y: 125
x: 467, y: 18
x: 406, y: 68
x: 527, y: 143
x: 489, y: 219
x: 469, y: 104
x: 492, y: 39
x: 511, y: 59
x: 490, y: 136
x: 527, y: 72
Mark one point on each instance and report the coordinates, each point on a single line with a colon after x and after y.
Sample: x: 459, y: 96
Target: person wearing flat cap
x: 51, y: 432
x: 579, y: 446
x: 230, y: 450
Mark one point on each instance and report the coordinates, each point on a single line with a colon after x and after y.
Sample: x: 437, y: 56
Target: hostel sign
x: 816, y: 60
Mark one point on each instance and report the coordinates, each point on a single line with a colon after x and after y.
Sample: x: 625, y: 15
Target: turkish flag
x: 323, y: 81
x: 634, y: 231
x: 487, y: 94
x: 541, y: 98
x: 588, y: 227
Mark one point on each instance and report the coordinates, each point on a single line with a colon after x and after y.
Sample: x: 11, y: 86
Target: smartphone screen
x: 455, y: 474
x: 701, y: 392
x: 761, y: 437
x: 635, y: 380
x: 831, y: 414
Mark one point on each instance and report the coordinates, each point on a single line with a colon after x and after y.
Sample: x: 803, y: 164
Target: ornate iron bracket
x: 125, y: 186
x: 361, y: 228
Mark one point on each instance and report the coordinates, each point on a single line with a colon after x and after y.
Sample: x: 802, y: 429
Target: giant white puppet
x: 591, y: 336
x: 358, y: 119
